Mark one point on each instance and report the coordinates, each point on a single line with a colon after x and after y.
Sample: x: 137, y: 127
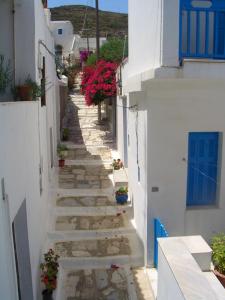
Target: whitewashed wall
x: 137, y: 157
x: 6, y: 48
x: 25, y: 135
x: 67, y: 38
x: 20, y: 161
x: 145, y: 32
x: 175, y: 108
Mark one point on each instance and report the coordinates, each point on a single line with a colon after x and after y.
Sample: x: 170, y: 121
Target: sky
x: 108, y: 5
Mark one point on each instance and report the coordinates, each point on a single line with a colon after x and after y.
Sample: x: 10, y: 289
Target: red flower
x: 99, y: 82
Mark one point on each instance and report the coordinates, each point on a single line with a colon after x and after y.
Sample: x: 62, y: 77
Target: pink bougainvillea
x: 99, y: 82
x: 87, y: 73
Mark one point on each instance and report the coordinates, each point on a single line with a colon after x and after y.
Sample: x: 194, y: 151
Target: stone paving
x: 102, y: 284
x: 85, y: 201
x: 93, y: 153
x: 80, y: 117
x: 94, y: 248
x: 85, y: 176
x: 89, y: 222
x: 90, y: 230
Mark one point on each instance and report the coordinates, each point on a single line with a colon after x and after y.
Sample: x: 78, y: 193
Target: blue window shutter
x: 202, y: 168
x: 220, y: 34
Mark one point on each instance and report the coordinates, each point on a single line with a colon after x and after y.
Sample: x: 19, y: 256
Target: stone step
x: 80, y: 235
x: 97, y: 284
x: 85, y: 177
x: 68, y: 223
x: 109, y: 246
x: 97, y: 142
x: 94, y: 153
x: 108, y: 210
x: 85, y: 201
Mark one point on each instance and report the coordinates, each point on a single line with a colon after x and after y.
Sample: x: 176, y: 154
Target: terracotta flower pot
x: 25, y: 92
x: 220, y: 277
x: 47, y: 295
x: 61, y: 163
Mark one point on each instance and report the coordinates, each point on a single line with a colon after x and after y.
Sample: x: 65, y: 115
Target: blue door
x: 220, y: 35
x: 202, y: 168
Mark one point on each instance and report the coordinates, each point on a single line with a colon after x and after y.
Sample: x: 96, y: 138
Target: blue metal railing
x: 202, y: 29
x: 159, y: 232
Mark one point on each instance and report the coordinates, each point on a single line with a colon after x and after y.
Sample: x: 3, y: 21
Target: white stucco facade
x: 168, y: 101
x: 82, y: 43
x: 63, y: 36
x: 28, y: 157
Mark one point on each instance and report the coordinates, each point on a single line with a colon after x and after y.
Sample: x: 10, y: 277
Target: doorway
x: 22, y: 254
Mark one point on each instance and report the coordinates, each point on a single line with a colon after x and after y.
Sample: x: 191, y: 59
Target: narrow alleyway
x: 94, y: 237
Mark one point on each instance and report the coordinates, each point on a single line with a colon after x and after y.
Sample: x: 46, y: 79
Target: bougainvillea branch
x: 99, y: 82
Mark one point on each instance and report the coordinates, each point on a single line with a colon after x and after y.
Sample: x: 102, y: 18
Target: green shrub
x: 91, y: 61
x: 113, y: 50
x: 218, y: 255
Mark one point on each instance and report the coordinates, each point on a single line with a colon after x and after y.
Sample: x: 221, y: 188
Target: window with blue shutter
x: 203, y: 160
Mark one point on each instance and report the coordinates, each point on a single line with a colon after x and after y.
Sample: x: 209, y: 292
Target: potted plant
x: 65, y: 134
x: 5, y: 74
x: 49, y: 271
x: 218, y: 256
x: 122, y: 195
x: 28, y: 91
x: 62, y: 153
x: 117, y: 164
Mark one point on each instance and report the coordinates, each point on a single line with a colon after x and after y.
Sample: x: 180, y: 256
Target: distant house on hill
x: 69, y: 45
x: 64, y: 39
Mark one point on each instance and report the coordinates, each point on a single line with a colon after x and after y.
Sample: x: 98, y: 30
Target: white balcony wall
x: 176, y: 280
x: 145, y: 33
x: 170, y: 33
x: 24, y: 40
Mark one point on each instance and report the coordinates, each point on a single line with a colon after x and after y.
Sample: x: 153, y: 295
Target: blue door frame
x: 159, y: 232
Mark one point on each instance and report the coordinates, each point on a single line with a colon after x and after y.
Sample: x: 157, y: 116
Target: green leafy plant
x: 5, y: 74
x: 35, y: 88
x: 49, y: 270
x: 122, y: 191
x: 61, y: 150
x: 65, y: 134
x: 218, y: 255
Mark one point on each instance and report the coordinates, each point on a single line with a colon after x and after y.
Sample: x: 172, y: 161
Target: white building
x: 64, y: 38
x: 171, y: 137
x: 85, y: 43
x: 29, y: 136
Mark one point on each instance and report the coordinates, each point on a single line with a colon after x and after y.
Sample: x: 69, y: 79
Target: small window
x: 51, y: 147
x: 43, y: 83
x: 203, y: 168
x: 139, y: 174
x: 60, y: 31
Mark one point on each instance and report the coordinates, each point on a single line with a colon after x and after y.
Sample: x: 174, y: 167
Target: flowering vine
x: 99, y: 82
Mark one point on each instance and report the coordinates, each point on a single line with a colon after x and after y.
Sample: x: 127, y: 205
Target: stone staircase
x: 93, y: 235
